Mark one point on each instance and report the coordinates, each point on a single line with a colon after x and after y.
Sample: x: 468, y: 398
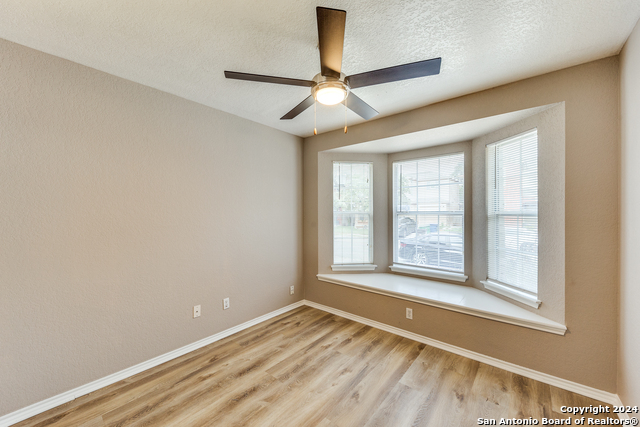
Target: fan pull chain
x: 315, y: 130
x: 345, y: 116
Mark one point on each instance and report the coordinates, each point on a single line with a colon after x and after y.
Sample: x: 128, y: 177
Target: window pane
x: 351, y: 239
x: 428, y: 172
x: 452, y: 198
x: 512, y: 211
x: 429, y: 198
x: 516, y: 251
x: 431, y: 241
x: 352, y: 213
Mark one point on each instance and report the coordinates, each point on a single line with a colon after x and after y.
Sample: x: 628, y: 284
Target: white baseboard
x: 618, y: 402
x: 45, y: 405
x: 52, y: 402
x: 574, y: 387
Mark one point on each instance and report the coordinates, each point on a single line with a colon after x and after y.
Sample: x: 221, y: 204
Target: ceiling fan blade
x: 394, y: 74
x: 308, y: 102
x: 360, y: 107
x: 267, y: 79
x: 331, y: 23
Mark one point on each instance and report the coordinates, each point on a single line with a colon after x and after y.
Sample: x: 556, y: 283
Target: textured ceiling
x: 183, y: 47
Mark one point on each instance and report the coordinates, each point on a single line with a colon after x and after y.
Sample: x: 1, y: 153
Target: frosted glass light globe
x: 331, y: 95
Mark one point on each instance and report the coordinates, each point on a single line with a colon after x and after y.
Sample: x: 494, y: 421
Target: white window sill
x: 427, y: 272
x: 353, y: 267
x: 462, y: 299
x: 511, y: 293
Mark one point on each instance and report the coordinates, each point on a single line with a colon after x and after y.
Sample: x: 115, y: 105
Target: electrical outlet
x: 196, y: 311
x: 291, y: 289
x: 409, y: 313
x: 225, y: 303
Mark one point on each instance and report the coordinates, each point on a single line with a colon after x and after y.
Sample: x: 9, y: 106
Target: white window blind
x: 512, y: 211
x: 352, y: 213
x: 429, y: 212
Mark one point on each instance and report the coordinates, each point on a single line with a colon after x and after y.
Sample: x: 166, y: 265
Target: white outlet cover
x: 196, y: 311
x: 225, y: 303
x: 409, y: 313
x: 291, y: 290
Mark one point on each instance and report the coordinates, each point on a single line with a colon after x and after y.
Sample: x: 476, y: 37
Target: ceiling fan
x: 331, y: 86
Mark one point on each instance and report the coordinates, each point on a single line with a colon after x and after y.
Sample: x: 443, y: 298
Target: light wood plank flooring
x: 310, y: 368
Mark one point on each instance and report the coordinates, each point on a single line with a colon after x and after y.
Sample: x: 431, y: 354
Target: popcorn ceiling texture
x: 183, y: 47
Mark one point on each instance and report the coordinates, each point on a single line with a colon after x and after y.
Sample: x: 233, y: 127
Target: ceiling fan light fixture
x: 330, y: 93
x: 331, y: 86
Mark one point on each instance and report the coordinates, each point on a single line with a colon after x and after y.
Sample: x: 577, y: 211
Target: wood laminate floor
x: 310, y: 368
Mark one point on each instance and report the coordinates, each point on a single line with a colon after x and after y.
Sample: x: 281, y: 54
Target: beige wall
x: 587, y: 353
x: 121, y: 207
x: 629, y: 354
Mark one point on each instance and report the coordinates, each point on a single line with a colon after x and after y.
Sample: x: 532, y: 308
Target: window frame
x: 428, y: 271
x: 506, y: 289
x: 353, y: 266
